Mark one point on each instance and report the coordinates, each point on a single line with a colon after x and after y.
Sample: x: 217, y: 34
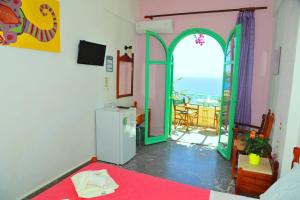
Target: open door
x: 229, y: 93
x: 171, y: 92
x: 157, y: 92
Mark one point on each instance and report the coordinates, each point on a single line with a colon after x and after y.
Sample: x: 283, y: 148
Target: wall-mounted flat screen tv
x: 91, y: 53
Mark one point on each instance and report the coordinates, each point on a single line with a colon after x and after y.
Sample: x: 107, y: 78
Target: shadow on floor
x: 195, y: 165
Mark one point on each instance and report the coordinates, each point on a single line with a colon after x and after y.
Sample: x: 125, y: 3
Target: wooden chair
x: 140, y: 119
x: 184, y: 114
x: 240, y: 131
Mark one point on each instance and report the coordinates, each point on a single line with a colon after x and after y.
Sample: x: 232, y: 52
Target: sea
x: 199, y: 88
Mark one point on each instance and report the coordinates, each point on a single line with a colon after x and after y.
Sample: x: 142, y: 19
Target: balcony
x: 201, y: 126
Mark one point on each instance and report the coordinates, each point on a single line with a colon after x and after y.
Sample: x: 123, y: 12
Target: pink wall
x: 221, y: 23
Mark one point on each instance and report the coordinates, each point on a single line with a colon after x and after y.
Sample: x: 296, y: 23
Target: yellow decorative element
x: 254, y: 159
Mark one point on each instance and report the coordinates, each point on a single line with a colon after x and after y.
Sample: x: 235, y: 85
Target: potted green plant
x: 257, y: 146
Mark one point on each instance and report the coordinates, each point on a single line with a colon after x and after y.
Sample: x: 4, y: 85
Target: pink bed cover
x: 132, y: 186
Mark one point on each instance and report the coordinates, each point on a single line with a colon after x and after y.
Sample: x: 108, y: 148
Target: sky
x: 193, y: 60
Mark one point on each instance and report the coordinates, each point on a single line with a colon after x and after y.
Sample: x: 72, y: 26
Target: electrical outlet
x: 280, y: 126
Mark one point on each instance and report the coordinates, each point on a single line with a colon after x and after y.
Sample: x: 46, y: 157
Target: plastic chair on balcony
x: 184, y: 114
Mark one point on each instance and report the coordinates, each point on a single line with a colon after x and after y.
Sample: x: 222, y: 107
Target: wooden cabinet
x: 255, y: 180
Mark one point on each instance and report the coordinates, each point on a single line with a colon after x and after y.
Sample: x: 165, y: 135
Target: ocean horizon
x: 199, y: 87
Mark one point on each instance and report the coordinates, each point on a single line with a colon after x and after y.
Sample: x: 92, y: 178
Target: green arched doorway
x: 178, y: 39
x: 229, y: 89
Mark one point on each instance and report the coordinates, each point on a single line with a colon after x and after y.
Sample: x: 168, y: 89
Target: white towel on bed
x: 90, y: 184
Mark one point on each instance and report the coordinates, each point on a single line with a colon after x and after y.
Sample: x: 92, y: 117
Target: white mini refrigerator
x: 116, y: 134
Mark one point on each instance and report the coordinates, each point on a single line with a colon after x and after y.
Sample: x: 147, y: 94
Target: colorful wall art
x: 33, y: 24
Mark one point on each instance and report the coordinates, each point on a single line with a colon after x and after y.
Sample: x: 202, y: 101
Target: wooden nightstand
x: 255, y: 180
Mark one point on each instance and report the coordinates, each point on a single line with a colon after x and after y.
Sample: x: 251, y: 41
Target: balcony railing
x: 207, y: 116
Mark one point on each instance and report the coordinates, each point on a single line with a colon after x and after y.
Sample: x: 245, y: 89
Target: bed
x: 136, y: 186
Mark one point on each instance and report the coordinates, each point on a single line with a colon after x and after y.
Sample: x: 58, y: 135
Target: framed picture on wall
x: 276, y: 61
x: 20, y: 22
x: 109, y: 64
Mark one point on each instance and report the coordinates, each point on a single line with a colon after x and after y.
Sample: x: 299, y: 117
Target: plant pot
x: 254, y: 159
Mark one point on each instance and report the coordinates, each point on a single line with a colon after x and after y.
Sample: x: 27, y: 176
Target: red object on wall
x: 7, y: 16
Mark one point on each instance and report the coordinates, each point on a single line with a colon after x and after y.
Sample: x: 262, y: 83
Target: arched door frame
x: 191, y: 31
x: 171, y: 49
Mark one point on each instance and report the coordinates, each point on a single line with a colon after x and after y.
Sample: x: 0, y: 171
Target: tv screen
x: 91, y: 53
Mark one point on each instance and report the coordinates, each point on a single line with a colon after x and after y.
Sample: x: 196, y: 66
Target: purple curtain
x: 243, y: 110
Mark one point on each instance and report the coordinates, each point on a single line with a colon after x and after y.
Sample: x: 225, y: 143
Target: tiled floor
x: 191, y: 164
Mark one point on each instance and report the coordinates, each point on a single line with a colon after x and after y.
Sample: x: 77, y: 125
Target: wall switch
x: 106, y: 83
